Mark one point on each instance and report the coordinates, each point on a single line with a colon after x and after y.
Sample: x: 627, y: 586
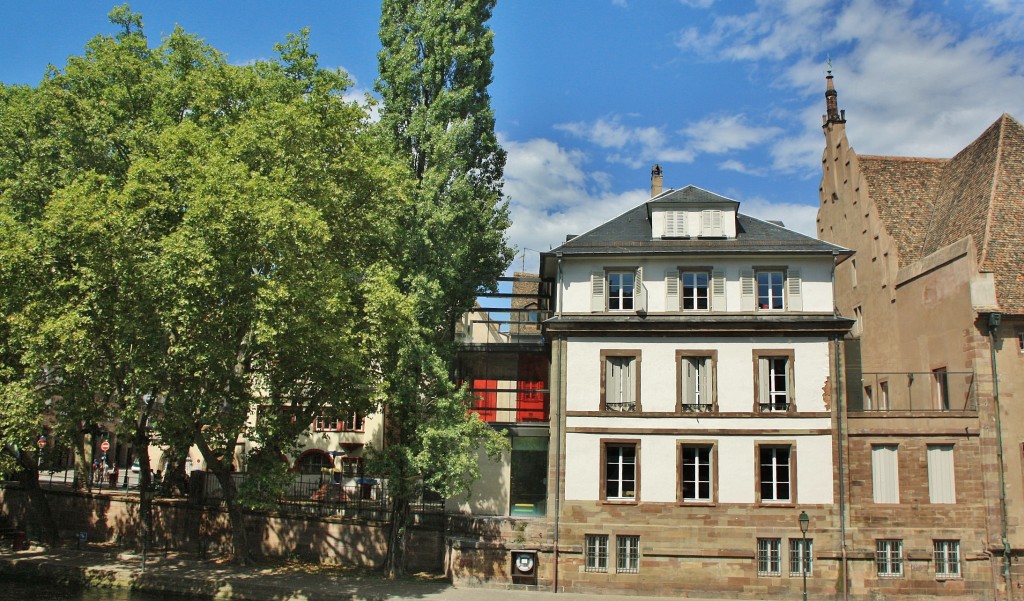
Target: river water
x: 36, y: 591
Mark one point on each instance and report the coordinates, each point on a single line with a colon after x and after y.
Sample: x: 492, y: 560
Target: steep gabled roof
x: 927, y: 204
x: 630, y: 233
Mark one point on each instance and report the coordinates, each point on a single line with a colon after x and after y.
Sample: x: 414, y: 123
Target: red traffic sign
x: 41, y: 442
x: 104, y: 446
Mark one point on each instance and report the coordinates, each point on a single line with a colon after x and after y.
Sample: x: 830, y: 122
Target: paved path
x: 204, y: 579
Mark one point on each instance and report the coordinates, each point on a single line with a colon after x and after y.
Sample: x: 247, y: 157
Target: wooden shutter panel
x: 763, y: 376
x: 941, y: 483
x: 747, y: 290
x: 597, y: 291
x: 718, y: 291
x: 687, y: 383
x: 885, y: 479
x: 639, y: 292
x: 671, y: 290
x: 795, y: 300
x: 705, y: 379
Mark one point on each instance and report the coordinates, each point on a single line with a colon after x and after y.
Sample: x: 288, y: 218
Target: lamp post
x: 805, y: 521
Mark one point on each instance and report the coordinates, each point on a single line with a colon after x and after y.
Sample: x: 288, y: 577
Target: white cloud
x: 797, y: 217
x: 723, y: 133
x: 634, y: 146
x: 551, y: 195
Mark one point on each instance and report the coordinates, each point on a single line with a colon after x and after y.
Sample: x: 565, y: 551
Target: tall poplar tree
x: 435, y: 67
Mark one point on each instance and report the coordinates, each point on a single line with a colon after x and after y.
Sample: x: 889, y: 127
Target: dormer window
x: 620, y: 290
x: 675, y: 224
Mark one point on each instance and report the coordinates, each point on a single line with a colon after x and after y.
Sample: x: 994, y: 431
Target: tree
x: 194, y: 236
x: 435, y: 66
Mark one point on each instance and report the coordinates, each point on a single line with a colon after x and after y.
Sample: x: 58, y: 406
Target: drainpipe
x: 842, y: 471
x: 993, y: 325
x: 558, y: 427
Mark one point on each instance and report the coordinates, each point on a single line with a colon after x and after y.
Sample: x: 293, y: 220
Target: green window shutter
x: 794, y: 301
x: 597, y: 291
x: 671, y: 290
x: 718, y: 291
x: 747, y: 290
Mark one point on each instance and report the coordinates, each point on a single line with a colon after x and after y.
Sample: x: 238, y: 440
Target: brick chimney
x: 655, y: 180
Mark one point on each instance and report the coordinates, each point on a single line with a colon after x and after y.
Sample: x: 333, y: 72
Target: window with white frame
x: 883, y: 396
x: 869, y: 398
x: 621, y: 290
x: 773, y: 383
x: 696, y: 296
x: 770, y: 290
x: 596, y: 552
x: 769, y: 557
x: 801, y: 556
x: 695, y: 383
x: 675, y: 224
x: 947, y: 558
x: 775, y: 473
x: 627, y: 554
x: 889, y: 558
x: 885, y: 474
x: 941, y: 481
x: 696, y: 473
x: 620, y: 472
x: 621, y: 381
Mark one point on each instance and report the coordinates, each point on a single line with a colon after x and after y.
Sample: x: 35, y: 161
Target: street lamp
x: 805, y: 521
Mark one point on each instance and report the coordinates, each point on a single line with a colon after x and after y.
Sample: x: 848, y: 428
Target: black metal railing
x: 939, y: 390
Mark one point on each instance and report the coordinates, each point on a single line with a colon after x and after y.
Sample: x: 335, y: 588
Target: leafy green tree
x: 190, y: 240
x: 435, y: 66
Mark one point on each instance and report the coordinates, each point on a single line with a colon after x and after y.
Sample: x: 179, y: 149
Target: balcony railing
x: 939, y: 390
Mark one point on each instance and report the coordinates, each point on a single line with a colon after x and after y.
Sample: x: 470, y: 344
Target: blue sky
x: 589, y: 94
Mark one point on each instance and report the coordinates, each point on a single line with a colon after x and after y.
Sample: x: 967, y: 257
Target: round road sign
x: 41, y: 442
x: 104, y: 446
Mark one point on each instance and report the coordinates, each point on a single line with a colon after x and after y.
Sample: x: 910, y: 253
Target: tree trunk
x: 241, y: 553
x: 394, y: 561
x: 42, y: 517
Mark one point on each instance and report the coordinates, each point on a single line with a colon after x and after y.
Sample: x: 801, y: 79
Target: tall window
x: 773, y: 383
x: 596, y: 553
x: 695, y: 382
x: 858, y: 322
x: 947, y: 557
x: 620, y: 472
x: 885, y: 475
x: 869, y: 398
x: 941, y: 481
x: 769, y: 557
x: 775, y: 474
x: 695, y: 290
x: 627, y: 554
x: 801, y: 556
x: 711, y: 222
x: 941, y: 389
x: 769, y: 290
x: 621, y: 381
x: 889, y: 557
x: 620, y: 290
x: 883, y: 396
x: 696, y: 473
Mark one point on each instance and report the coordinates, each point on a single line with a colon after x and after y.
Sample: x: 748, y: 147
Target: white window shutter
x: 747, y: 290
x: 639, y: 292
x: 885, y: 479
x: 670, y: 223
x: 705, y: 378
x: 718, y: 291
x: 629, y: 382
x: 671, y: 290
x: 793, y: 288
x: 688, y: 383
x: 597, y: 291
x: 941, y: 483
x: 716, y: 223
x: 763, y: 379
x: 680, y: 223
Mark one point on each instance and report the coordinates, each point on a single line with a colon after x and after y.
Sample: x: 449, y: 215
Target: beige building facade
x: 933, y: 366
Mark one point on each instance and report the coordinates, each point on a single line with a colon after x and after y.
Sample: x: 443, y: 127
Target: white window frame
x: 779, y: 486
x: 627, y: 554
x: 702, y: 457
x: 620, y: 383
x: 596, y: 552
x: 773, y: 296
x: 617, y: 281
x: 691, y: 291
x: 941, y: 378
x: 889, y: 557
x: 947, y: 558
x: 774, y: 382
x: 800, y: 558
x: 615, y: 456
x: 769, y: 557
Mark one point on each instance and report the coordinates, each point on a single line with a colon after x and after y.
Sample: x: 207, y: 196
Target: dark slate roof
x: 630, y: 233
x: 927, y: 204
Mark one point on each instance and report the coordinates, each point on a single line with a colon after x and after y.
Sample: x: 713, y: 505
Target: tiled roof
x: 630, y: 233
x: 927, y: 204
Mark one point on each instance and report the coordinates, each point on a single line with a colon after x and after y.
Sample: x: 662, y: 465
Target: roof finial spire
x: 832, y: 112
